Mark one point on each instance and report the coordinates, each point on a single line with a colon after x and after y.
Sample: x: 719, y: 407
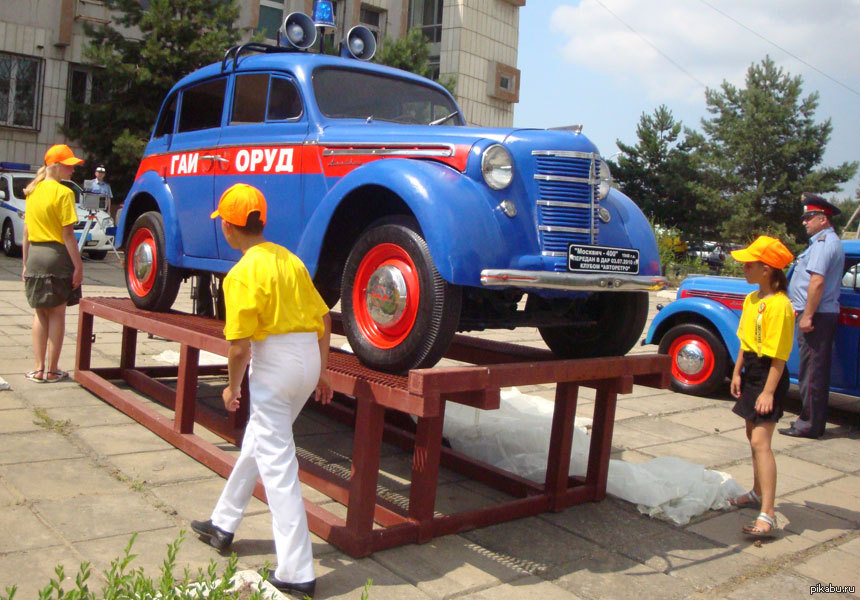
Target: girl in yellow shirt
x: 760, y: 380
x: 52, y: 267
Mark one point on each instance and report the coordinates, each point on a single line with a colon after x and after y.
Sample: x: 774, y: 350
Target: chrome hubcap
x: 386, y: 295
x: 142, y: 262
x: 690, y: 359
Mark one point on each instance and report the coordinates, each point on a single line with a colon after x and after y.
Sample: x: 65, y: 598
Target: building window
x: 271, y: 17
x: 374, y: 20
x: 86, y: 86
x: 427, y: 14
x: 20, y: 90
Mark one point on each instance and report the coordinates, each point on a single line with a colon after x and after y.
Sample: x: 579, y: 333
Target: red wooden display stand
x: 369, y: 394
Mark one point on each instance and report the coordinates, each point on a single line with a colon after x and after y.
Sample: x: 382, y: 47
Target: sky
x: 603, y: 63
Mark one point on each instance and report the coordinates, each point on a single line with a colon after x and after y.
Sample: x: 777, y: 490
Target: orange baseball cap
x: 239, y: 201
x: 765, y: 249
x: 60, y: 153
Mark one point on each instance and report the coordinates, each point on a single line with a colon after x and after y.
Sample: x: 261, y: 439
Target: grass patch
x: 45, y: 421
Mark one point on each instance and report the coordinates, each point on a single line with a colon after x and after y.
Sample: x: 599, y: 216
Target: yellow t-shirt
x: 767, y: 326
x: 269, y: 292
x: 49, y: 208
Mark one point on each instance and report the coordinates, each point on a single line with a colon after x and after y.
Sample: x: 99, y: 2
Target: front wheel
x: 606, y: 324
x: 398, y: 312
x: 152, y: 283
x: 699, y: 358
x: 10, y: 248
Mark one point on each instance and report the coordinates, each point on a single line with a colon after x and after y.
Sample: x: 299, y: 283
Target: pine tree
x: 411, y: 53
x: 146, y: 49
x: 762, y: 148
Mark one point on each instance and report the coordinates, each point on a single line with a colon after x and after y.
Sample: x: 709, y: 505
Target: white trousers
x: 284, y: 372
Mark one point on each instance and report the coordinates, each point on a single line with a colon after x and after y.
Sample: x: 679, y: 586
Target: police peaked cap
x: 812, y: 204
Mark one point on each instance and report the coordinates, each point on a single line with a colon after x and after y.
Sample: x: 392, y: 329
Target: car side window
x: 202, y: 106
x: 249, y: 98
x: 168, y: 117
x: 284, y: 100
x: 849, y: 278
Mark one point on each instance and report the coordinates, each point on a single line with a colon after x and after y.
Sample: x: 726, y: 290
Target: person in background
x: 760, y: 379
x: 100, y: 186
x: 52, y: 267
x: 814, y: 293
x: 277, y: 322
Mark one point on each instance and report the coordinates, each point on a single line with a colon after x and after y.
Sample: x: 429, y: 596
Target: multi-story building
x: 42, y: 64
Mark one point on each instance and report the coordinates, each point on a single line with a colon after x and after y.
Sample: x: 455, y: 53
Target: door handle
x: 214, y: 157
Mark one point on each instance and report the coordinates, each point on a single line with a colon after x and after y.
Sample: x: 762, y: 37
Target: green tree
x: 660, y: 171
x: 144, y: 52
x: 762, y: 148
x: 848, y: 207
x: 411, y: 53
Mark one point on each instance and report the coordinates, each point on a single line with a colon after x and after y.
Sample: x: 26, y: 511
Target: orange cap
x: 765, y: 249
x: 60, y: 153
x: 239, y: 201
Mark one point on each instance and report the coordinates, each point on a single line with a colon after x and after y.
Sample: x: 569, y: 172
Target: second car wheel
x: 699, y: 358
x: 398, y: 312
x: 10, y: 248
x: 152, y: 283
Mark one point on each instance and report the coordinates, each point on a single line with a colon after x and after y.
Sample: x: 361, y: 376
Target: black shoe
x: 296, y: 590
x: 212, y: 535
x: 796, y: 433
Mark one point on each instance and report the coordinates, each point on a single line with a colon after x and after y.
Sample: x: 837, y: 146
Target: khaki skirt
x: 48, y: 282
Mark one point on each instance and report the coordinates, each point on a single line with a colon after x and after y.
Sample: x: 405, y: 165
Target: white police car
x: 13, y: 179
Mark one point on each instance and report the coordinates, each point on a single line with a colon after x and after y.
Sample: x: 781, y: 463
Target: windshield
x: 355, y: 94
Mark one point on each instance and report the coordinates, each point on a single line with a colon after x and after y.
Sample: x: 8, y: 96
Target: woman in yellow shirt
x: 760, y: 379
x: 53, y: 269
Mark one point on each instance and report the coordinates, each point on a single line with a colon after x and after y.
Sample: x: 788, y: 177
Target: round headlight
x: 605, y: 177
x: 497, y: 167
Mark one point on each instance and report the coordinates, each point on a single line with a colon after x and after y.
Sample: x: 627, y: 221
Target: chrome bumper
x: 577, y: 282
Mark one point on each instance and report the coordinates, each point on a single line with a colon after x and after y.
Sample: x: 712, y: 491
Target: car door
x: 261, y: 144
x: 193, y: 162
x: 845, y: 371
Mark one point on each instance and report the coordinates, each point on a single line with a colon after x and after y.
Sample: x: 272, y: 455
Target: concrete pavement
x: 77, y: 478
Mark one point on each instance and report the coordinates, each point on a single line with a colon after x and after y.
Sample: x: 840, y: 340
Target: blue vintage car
x: 699, y: 331
x: 420, y: 225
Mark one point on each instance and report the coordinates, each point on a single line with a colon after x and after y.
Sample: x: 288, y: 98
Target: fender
x: 723, y: 319
x: 464, y: 236
x: 152, y: 184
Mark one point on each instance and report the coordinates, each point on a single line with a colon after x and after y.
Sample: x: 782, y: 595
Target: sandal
x: 752, y: 500
x: 756, y: 531
x: 33, y: 376
x: 57, y: 376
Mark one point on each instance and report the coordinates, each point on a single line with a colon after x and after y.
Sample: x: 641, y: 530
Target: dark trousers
x: 816, y: 352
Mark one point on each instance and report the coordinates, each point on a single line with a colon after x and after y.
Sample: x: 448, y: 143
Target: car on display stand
x: 698, y: 330
x: 419, y: 225
x: 14, y: 177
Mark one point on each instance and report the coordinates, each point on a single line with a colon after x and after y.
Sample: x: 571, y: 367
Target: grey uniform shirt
x: 824, y: 256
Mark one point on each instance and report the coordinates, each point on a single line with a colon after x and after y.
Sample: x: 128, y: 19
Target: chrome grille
x: 567, y: 203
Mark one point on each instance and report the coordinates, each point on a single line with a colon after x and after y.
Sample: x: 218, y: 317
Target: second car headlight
x: 605, y: 180
x: 497, y: 167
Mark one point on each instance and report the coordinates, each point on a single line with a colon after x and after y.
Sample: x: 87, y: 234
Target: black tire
x: 616, y: 322
x: 690, y: 345
x: 10, y: 248
x: 152, y: 283
x: 417, y: 335
x: 96, y: 254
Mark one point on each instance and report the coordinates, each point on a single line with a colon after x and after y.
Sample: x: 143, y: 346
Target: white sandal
x: 752, y: 500
x: 756, y: 531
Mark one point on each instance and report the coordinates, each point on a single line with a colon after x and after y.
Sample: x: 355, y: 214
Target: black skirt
x: 753, y: 379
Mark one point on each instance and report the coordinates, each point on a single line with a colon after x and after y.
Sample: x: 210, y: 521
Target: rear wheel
x: 398, y: 312
x: 97, y: 254
x: 699, y: 358
x: 152, y: 283
x: 610, y: 323
x: 10, y: 248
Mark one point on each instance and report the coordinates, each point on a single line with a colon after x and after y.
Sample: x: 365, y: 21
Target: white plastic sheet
x: 516, y: 438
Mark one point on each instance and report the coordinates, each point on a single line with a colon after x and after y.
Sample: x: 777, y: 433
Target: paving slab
x: 709, y: 451
x: 161, y: 466
x: 827, y: 499
x: 9, y: 400
x: 448, y: 565
x: 711, y: 419
x: 842, y: 454
x: 59, y: 479
x: 806, y: 520
x: 49, y: 396
x: 785, y: 586
x: 664, y: 403
x: 111, y: 440
x: 17, y: 421
x: 527, y: 587
x: 196, y: 499
x: 32, y: 571
x: 89, y: 416
x: 30, y: 531
x: 340, y: 577
x: 832, y: 567
x: 34, y: 447
x: 725, y: 530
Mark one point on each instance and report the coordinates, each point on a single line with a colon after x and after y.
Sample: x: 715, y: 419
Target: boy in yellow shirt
x: 760, y: 379
x: 277, y: 321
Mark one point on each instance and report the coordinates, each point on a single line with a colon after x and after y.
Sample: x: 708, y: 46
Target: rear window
x: 202, y: 106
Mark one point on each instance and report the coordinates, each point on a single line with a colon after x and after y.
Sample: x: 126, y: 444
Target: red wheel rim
x: 391, y: 334
x: 141, y: 240
x: 707, y: 352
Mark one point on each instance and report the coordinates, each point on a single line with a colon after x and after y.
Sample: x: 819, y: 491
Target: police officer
x: 814, y: 294
x: 100, y: 186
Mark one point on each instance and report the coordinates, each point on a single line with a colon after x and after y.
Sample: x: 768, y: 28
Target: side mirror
x: 849, y: 280
x: 2, y: 195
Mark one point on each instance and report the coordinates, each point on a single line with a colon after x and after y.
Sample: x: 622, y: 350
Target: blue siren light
x: 323, y: 13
